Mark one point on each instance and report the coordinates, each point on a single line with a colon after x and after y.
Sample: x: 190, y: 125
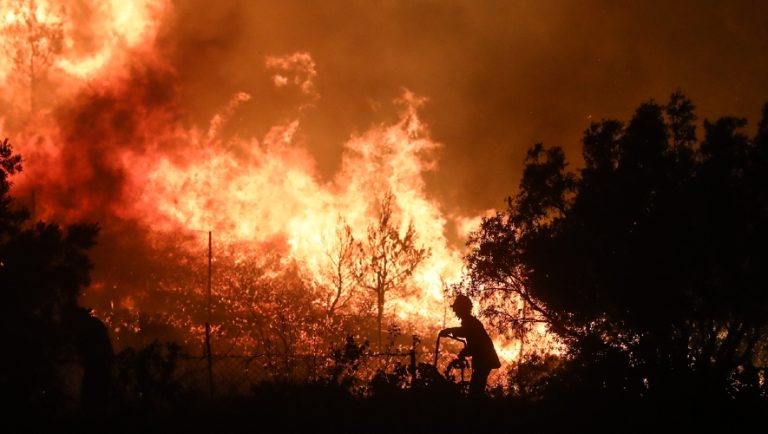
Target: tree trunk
x: 380, y: 313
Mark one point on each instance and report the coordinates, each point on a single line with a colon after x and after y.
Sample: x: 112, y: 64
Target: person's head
x: 462, y: 306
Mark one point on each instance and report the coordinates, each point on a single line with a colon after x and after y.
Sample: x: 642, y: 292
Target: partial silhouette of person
x: 94, y: 350
x: 479, y: 345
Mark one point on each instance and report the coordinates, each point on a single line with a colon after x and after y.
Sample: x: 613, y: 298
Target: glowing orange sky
x: 499, y: 75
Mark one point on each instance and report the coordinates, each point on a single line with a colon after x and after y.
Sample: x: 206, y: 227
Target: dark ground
x: 318, y: 409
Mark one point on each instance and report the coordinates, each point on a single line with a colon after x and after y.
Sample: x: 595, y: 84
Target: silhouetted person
x: 94, y: 349
x: 479, y: 344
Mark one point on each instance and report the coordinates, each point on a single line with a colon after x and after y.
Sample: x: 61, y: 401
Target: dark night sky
x: 499, y: 75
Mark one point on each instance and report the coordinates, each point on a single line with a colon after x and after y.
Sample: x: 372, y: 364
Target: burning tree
x: 388, y: 259
x: 32, y: 43
x: 342, y: 255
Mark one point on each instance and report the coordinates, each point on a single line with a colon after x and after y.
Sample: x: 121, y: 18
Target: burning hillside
x: 92, y: 104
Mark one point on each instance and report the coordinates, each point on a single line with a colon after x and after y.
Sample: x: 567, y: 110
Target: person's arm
x: 463, y: 353
x: 457, y: 332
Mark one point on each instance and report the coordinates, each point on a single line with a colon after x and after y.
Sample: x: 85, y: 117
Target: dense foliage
x: 43, y: 269
x: 649, y: 261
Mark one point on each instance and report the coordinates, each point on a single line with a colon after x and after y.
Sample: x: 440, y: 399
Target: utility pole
x: 208, y: 322
x: 523, y: 333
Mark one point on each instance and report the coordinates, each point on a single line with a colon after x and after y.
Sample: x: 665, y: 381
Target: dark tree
x: 42, y: 272
x: 651, y: 258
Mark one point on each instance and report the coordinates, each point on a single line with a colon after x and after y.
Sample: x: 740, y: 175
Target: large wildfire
x: 91, y: 104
